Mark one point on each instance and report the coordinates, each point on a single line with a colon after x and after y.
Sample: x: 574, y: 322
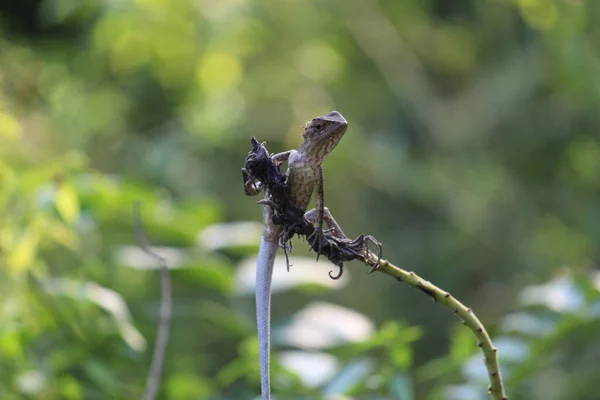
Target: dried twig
x: 164, y: 323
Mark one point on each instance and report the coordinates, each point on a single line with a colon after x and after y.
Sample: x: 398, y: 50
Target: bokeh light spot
x: 542, y: 14
x: 318, y: 61
x: 219, y: 71
x: 9, y: 127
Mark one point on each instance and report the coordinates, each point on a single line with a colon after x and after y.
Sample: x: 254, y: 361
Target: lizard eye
x: 318, y: 126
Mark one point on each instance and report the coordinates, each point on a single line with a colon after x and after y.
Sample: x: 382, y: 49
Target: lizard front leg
x: 281, y: 157
x: 318, y: 237
x: 336, y: 231
x: 252, y: 187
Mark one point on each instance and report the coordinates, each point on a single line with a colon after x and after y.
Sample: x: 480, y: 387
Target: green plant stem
x: 495, y: 388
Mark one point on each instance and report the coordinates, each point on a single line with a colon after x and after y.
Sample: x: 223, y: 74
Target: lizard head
x: 322, y: 134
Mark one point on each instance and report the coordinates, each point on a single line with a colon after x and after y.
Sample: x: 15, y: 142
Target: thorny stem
x: 496, y: 388
x: 164, y: 323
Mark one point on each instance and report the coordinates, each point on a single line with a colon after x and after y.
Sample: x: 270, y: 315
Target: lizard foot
x: 287, y: 248
x: 250, y: 188
x: 370, y: 239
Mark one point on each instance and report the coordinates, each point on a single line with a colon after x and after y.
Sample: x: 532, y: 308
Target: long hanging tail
x: 264, y: 274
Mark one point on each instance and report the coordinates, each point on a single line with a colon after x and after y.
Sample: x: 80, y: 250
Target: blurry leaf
x: 67, y: 202
x: 105, y: 298
x: 435, y: 369
x: 396, y: 339
x: 462, y: 344
x: 69, y: 388
x: 224, y: 318
x: 187, y: 387
x: 64, y: 358
x: 245, y: 365
x: 559, y: 244
x: 210, y: 274
x: 63, y: 235
x: 58, y: 11
x: 23, y: 254
x: 101, y: 375
x: 10, y: 345
x: 393, y: 336
x: 542, y: 14
x: 234, y: 371
x: 8, y: 183
x: 583, y: 157
x: 401, y: 357
x: 401, y: 332
x: 528, y: 356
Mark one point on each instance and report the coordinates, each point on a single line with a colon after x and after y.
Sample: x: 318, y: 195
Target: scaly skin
x: 304, y: 174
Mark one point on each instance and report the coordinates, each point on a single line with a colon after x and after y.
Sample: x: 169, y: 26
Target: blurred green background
x: 473, y: 154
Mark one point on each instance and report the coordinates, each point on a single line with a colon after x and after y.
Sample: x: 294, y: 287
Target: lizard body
x: 304, y: 175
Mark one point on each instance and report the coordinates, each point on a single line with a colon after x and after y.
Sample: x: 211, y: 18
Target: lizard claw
x: 317, y: 240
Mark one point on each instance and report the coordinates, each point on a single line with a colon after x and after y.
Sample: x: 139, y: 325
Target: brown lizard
x: 304, y: 175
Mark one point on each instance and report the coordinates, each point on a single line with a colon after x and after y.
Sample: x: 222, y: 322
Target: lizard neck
x: 303, y: 176
x: 314, y: 153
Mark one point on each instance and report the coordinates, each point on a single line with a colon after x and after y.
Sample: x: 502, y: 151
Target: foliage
x: 472, y: 154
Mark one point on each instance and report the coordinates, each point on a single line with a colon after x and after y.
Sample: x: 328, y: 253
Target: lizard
x: 304, y: 176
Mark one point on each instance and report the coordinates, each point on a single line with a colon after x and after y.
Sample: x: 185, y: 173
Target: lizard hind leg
x: 317, y: 239
x: 334, y: 230
x: 311, y: 216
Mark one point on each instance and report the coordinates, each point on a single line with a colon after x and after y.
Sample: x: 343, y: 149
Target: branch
x: 164, y: 323
x: 496, y: 388
x: 339, y: 250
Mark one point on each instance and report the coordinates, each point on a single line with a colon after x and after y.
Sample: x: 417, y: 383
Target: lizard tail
x: 264, y: 274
